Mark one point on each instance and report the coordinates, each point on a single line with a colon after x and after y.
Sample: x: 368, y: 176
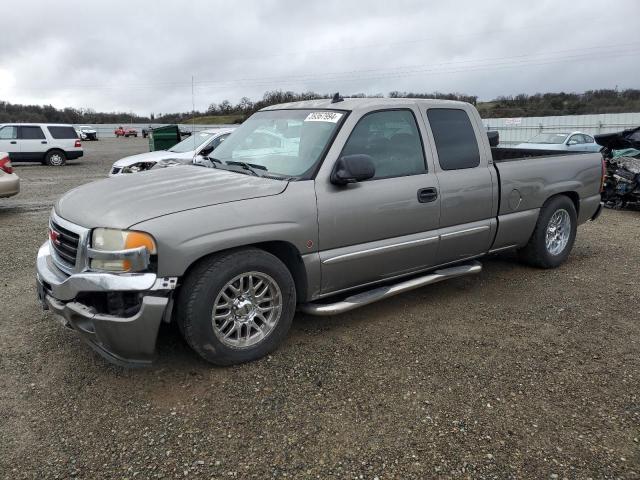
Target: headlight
x: 138, y: 167
x: 120, y: 250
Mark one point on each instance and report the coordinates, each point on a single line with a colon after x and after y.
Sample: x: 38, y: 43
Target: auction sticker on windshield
x: 332, y: 117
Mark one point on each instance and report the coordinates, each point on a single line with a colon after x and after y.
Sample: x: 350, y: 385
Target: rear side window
x: 455, y: 139
x: 31, y: 133
x: 63, y: 133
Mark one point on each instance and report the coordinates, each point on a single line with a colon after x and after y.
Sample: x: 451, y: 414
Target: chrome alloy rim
x: 558, y: 232
x: 247, y: 309
x: 55, y: 159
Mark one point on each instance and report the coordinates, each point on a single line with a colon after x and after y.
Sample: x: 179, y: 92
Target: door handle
x: 43, y: 141
x: 426, y: 195
x: 13, y: 142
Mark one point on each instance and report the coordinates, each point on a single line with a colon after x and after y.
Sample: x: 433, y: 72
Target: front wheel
x: 236, y: 307
x: 554, y: 234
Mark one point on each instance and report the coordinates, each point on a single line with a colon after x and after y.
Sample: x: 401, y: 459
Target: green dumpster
x: 163, y: 138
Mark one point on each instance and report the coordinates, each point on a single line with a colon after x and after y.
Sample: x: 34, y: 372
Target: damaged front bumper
x: 128, y: 340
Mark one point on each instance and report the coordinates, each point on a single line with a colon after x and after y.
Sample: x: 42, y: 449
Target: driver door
x: 386, y: 226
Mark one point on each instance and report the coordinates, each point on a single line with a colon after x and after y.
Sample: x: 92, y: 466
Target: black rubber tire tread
x: 535, y: 252
x: 201, y: 286
x: 48, y: 156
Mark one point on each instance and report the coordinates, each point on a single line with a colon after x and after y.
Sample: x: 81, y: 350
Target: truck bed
x: 501, y: 154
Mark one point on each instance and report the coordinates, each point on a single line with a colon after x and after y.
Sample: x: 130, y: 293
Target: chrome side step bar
x: 370, y: 296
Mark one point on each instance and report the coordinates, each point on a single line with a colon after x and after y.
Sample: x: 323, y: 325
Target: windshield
x: 191, y: 143
x: 556, y: 138
x: 282, y: 142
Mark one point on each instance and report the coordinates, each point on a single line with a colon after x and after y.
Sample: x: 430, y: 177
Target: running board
x: 370, y: 296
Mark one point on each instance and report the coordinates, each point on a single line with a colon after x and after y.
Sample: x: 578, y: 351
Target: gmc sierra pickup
x: 319, y: 206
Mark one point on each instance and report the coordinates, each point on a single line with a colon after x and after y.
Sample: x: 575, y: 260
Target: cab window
x: 391, y: 138
x: 454, y: 137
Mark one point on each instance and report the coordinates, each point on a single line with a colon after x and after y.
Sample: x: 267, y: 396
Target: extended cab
x: 365, y: 199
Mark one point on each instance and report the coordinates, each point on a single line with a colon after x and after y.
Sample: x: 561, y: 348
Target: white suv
x: 51, y: 144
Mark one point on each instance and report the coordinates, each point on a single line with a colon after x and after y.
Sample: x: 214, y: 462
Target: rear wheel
x: 55, y: 158
x: 554, y: 234
x: 237, y: 306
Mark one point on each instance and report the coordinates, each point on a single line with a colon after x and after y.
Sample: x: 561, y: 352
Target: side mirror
x: 352, y: 169
x: 205, y: 152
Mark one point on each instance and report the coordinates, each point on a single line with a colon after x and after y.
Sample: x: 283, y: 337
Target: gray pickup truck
x: 319, y: 206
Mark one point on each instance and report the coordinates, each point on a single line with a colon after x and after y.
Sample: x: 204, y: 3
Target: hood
x: 123, y: 201
x: 616, y: 141
x: 151, y: 157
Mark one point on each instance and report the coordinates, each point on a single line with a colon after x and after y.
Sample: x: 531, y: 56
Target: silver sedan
x: 9, y: 181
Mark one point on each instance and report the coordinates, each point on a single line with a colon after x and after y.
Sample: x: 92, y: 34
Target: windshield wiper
x: 252, y: 167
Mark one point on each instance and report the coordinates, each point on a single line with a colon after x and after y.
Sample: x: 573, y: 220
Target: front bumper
x: 128, y: 341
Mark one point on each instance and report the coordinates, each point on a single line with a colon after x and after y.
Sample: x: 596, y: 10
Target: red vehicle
x: 128, y: 132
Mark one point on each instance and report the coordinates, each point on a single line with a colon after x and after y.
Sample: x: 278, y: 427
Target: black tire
x: 536, y: 253
x: 55, y: 158
x: 195, y: 303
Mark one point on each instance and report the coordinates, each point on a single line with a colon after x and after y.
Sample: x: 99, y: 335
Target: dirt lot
x: 515, y: 373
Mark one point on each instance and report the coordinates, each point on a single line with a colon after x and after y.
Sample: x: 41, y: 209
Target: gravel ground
x: 514, y: 373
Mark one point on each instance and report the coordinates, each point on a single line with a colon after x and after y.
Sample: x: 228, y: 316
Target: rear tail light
x: 78, y: 143
x: 5, y: 165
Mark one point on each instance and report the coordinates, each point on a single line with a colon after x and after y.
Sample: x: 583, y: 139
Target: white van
x: 49, y: 143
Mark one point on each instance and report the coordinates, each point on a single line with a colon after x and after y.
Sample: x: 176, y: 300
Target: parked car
x: 574, y: 141
x: 382, y: 196
x: 51, y: 144
x: 199, y: 145
x: 86, y: 132
x: 9, y: 181
x: 185, y: 133
x: 126, y: 132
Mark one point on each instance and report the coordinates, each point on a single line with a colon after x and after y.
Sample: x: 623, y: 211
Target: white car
x: 573, y: 142
x: 85, y: 132
x: 199, y: 144
x: 51, y: 144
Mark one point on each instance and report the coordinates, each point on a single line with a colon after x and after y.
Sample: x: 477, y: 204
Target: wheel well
x: 284, y: 251
x: 573, y: 196
x: 53, y: 150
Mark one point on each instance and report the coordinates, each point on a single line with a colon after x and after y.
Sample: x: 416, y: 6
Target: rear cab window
x: 454, y: 137
x: 63, y: 133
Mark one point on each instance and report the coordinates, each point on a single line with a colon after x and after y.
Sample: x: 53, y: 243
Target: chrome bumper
x: 123, y: 340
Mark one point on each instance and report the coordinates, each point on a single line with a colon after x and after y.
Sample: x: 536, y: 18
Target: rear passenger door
x: 386, y: 226
x: 32, y: 142
x: 467, y: 218
x: 9, y: 141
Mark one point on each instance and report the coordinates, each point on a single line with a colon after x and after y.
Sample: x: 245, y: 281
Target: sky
x: 166, y: 56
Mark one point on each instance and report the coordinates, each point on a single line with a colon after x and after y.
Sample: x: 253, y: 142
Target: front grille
x: 65, y: 244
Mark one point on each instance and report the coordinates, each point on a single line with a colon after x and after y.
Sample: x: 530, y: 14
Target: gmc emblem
x: 55, y: 237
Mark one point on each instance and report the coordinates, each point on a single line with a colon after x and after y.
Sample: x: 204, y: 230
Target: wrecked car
x: 621, y: 153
